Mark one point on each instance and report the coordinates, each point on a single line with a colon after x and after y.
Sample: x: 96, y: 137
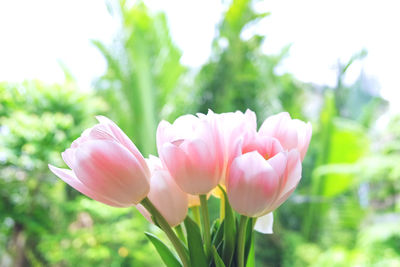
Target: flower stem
x: 241, y: 240
x: 180, y: 249
x: 196, y: 214
x: 206, y: 224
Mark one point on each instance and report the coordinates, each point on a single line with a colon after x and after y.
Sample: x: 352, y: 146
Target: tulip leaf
x: 229, y: 229
x: 195, y: 244
x: 214, y: 228
x: 166, y: 255
x: 250, y: 262
x: 217, y: 259
x: 217, y: 237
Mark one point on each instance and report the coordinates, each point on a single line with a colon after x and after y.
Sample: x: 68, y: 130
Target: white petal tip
x: 264, y: 224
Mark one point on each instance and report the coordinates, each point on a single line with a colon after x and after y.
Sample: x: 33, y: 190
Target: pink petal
x: 292, y: 174
x: 110, y: 169
x: 69, y: 177
x: 304, y: 136
x: 278, y: 162
x: 146, y: 214
x: 174, y: 159
x: 121, y: 137
x: 168, y: 198
x: 203, y: 170
x: 163, y: 134
x: 280, y: 126
x: 69, y: 157
x: 272, y: 125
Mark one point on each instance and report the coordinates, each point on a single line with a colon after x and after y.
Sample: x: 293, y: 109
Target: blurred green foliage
x: 345, y: 212
x: 43, y: 221
x: 143, y: 71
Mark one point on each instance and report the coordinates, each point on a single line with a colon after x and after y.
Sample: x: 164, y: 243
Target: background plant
x: 345, y: 211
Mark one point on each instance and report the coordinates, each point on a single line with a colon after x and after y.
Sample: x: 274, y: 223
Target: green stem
x: 206, y: 224
x: 196, y: 214
x: 180, y: 249
x: 179, y: 232
x: 241, y: 240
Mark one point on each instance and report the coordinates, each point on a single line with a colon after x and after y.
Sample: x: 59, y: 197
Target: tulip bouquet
x: 251, y: 171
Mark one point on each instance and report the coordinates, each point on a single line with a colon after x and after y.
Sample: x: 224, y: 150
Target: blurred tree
x: 239, y: 75
x: 143, y: 73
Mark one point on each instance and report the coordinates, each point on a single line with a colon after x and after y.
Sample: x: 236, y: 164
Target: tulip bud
x: 165, y: 195
x: 106, y: 166
x: 191, y: 150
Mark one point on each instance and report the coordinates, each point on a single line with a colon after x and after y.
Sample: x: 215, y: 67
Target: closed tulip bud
x: 106, y: 166
x: 165, y: 195
x: 292, y: 134
x: 191, y: 150
x: 263, y: 177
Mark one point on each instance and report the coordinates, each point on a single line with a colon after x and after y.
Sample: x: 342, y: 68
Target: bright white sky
x: 34, y: 35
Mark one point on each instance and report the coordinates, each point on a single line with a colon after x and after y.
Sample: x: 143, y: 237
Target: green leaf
x: 217, y: 237
x: 217, y: 259
x: 214, y: 228
x: 251, y: 257
x: 195, y: 244
x: 166, y: 255
x: 229, y: 232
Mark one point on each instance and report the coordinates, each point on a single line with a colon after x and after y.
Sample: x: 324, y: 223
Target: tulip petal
x: 83, y: 138
x: 68, y: 157
x: 69, y: 177
x: 271, y: 126
x: 278, y: 162
x: 304, y: 136
x: 110, y: 169
x: 121, y: 137
x: 292, y: 172
x: 168, y: 198
x: 280, y: 126
x: 146, y: 214
x: 163, y: 134
x: 264, y: 224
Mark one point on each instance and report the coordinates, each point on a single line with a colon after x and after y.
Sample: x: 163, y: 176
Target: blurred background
x: 335, y: 64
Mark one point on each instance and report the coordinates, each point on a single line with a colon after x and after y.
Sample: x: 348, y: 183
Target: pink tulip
x: 263, y: 177
x: 165, y: 195
x: 191, y: 150
x: 106, y: 166
x: 292, y: 134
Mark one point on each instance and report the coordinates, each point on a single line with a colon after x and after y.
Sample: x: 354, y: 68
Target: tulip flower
x: 106, y: 166
x: 191, y: 150
x: 165, y: 195
x: 292, y: 134
x: 263, y: 177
